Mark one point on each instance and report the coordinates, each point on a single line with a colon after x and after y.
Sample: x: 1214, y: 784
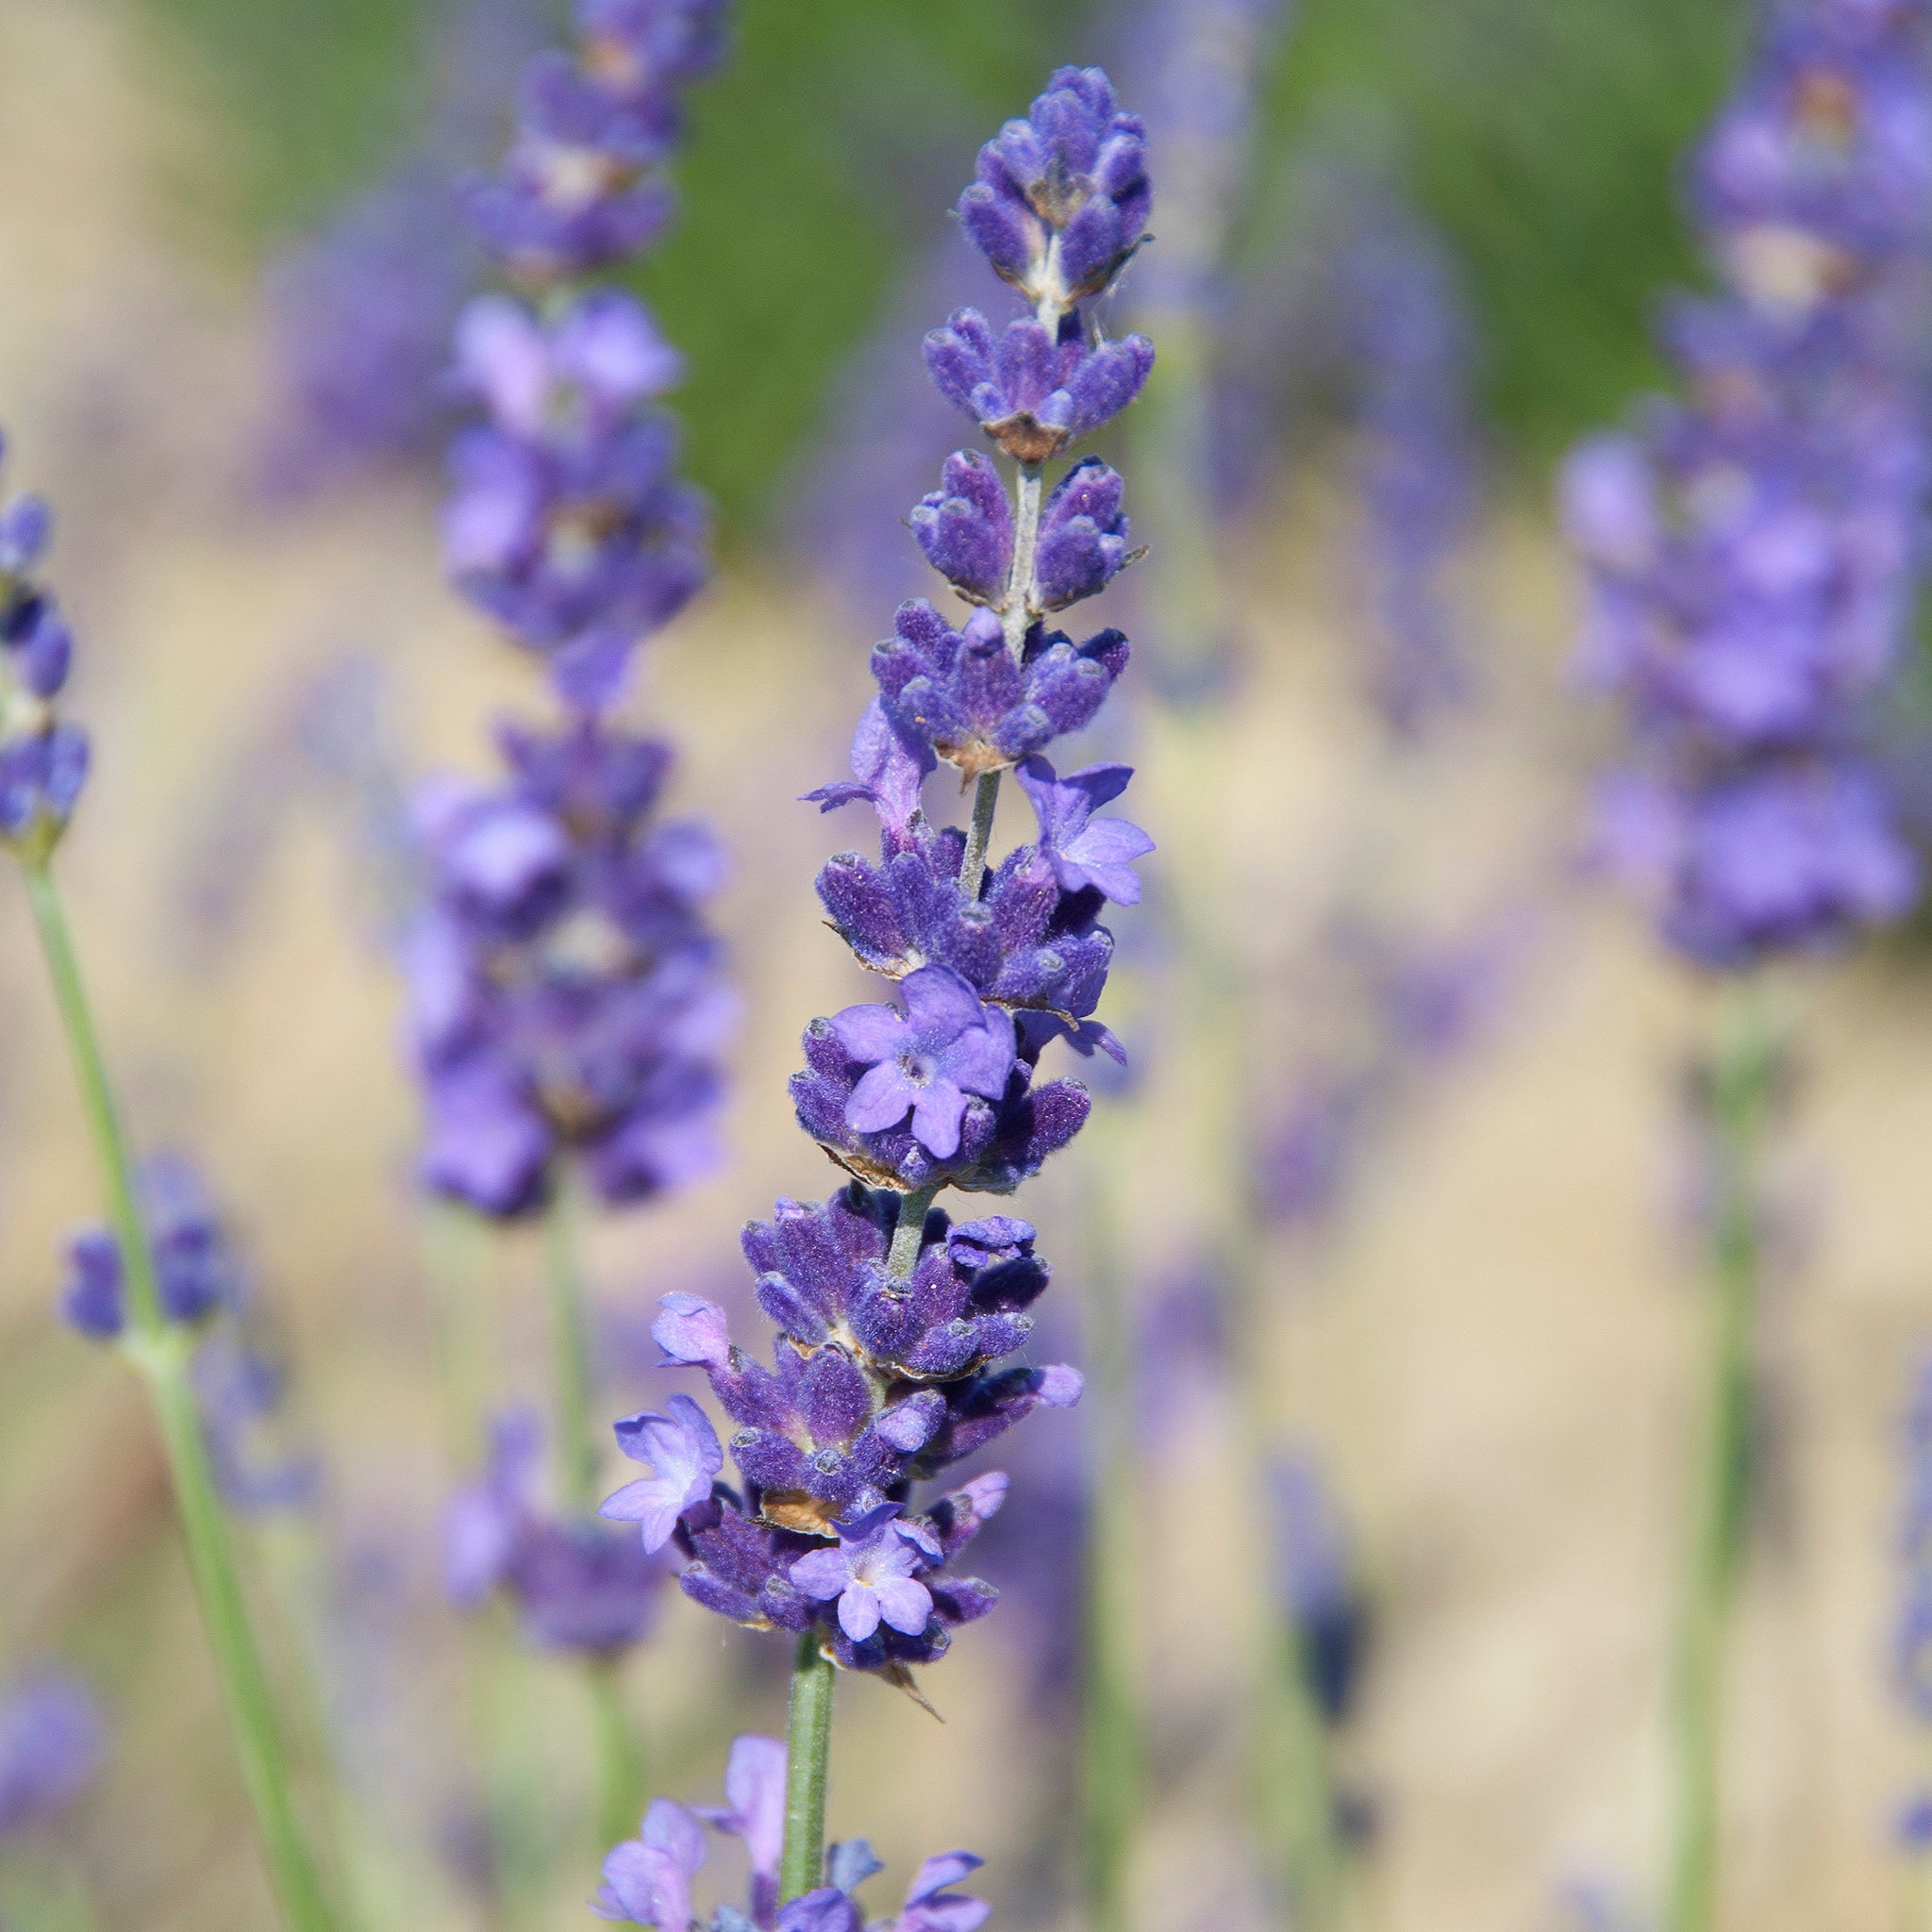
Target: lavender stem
x: 1741, y: 1080
x: 162, y: 1354
x: 808, y: 1764
x: 986, y: 798
x: 571, y: 1343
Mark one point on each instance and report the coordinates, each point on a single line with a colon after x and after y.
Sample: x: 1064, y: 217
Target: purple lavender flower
x: 53, y: 1739
x: 1062, y: 198
x: 43, y: 762
x: 196, y: 1267
x: 870, y: 1575
x: 241, y: 1392
x: 1084, y: 852
x: 577, y: 1585
x: 566, y: 995
x: 926, y: 1061
x: 895, y: 1326
x: 648, y: 1879
x: 681, y: 1452
x: 1751, y: 548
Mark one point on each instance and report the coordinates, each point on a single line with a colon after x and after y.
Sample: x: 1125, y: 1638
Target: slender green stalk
x: 1740, y: 1087
x: 620, y: 1757
x: 1113, y: 1761
x: 1917, y: 1916
x: 986, y: 798
x: 807, y: 1766
x: 160, y: 1353
x: 620, y: 1767
x: 564, y: 1271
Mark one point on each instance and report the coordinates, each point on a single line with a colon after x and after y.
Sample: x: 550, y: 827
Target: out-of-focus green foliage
x: 1545, y: 138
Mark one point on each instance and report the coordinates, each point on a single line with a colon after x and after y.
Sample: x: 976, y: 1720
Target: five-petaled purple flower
x: 870, y: 1575
x: 681, y: 1452
x: 1084, y: 852
x: 928, y: 1060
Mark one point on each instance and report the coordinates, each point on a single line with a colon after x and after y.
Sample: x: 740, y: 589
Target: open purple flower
x: 52, y: 1740
x: 1083, y: 851
x: 754, y: 1812
x: 681, y: 1451
x: 647, y: 1878
x: 871, y: 1573
x: 924, y: 1061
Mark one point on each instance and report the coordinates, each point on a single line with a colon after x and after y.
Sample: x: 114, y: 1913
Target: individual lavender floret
x: 196, y: 1267
x: 43, y: 762
x: 648, y: 1880
x: 1062, y: 198
x: 871, y: 1573
x: 579, y: 1585
x: 53, y: 1739
x: 1083, y: 537
x: 566, y: 993
x: 926, y: 1061
x: 1084, y: 852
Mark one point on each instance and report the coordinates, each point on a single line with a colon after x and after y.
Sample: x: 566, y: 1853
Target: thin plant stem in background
x: 1113, y: 1771
x: 160, y: 1353
x: 1741, y: 1079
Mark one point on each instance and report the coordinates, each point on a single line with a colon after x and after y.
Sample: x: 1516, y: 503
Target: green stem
x: 576, y: 1446
x: 1741, y: 1080
x: 986, y: 798
x: 162, y: 1354
x: 620, y: 1771
x: 1112, y: 1770
x: 808, y: 1764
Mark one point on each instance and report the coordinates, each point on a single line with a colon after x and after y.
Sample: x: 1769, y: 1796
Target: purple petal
x: 870, y: 1034
x: 822, y: 1573
x: 903, y: 1601
x: 881, y: 1099
x: 690, y: 1330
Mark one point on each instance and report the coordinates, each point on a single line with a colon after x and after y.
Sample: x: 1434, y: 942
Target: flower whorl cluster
x: 566, y: 995
x: 896, y: 1326
x: 43, y: 760
x: 648, y: 1879
x: 1752, y: 547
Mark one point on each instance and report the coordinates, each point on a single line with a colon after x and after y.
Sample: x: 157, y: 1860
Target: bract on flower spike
x: 898, y: 1327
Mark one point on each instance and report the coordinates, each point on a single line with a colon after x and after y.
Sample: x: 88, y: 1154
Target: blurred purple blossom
x: 53, y: 1741
x: 1752, y: 548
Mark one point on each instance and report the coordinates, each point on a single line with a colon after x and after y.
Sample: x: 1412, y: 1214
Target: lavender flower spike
x: 899, y: 1331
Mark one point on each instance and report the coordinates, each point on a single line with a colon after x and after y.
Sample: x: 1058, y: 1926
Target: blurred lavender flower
x: 241, y: 1392
x: 43, y: 762
x: 648, y: 1879
x: 194, y: 1263
x: 1752, y: 547
x: 576, y: 1584
x: 566, y: 996
x: 360, y: 312
x: 892, y: 1320
x: 1315, y: 1584
x: 53, y: 1739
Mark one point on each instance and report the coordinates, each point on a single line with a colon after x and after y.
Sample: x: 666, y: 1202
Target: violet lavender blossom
x: 43, y: 760
x: 648, y: 1880
x: 898, y: 1327
x: 568, y: 524
x: 194, y: 1263
x: 53, y: 1738
x: 1751, y: 547
x: 566, y: 996
x: 576, y: 1584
